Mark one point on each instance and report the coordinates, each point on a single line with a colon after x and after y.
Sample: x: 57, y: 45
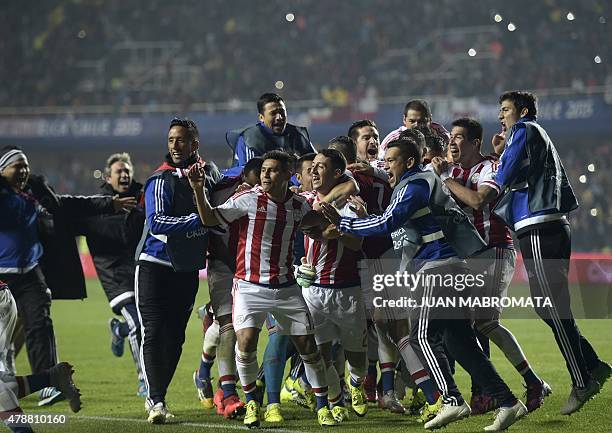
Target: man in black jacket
x: 112, y: 240
x: 33, y: 236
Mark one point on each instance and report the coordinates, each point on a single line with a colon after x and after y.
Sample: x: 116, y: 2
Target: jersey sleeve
x: 236, y: 207
x: 487, y: 176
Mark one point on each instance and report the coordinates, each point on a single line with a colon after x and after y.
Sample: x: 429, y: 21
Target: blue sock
x: 249, y: 396
x: 206, y: 363
x: 274, y: 365
x: 38, y: 381
x: 387, y: 378
x: 229, y: 388
x: 372, y: 368
x: 322, y: 401
x: 430, y: 390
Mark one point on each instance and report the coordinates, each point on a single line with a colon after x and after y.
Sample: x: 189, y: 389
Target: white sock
x: 226, y: 355
x: 246, y: 363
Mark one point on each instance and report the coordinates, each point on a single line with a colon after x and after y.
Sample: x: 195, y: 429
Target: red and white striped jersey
x: 336, y: 265
x: 491, y: 228
x: 266, y: 234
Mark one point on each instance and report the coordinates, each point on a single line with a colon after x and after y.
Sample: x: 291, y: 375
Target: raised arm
x: 341, y: 192
x: 197, y: 178
x: 474, y: 199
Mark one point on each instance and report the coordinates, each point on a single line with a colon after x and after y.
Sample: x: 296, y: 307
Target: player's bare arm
x: 341, y: 192
x: 196, y: 178
x: 474, y: 199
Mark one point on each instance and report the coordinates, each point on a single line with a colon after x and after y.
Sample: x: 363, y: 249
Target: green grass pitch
x: 109, y: 384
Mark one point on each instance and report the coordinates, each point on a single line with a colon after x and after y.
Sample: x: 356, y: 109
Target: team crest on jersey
x: 474, y: 177
x: 261, y: 209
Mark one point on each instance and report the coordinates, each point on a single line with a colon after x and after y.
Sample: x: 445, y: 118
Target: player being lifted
x: 268, y: 218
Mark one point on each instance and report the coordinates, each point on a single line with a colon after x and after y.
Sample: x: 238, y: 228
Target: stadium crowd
x: 223, y: 44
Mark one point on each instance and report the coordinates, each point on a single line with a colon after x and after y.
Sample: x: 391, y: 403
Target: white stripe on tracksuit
x: 158, y: 192
x: 142, y: 336
x: 423, y: 325
x: 566, y: 347
x: 133, y: 339
x: 382, y: 219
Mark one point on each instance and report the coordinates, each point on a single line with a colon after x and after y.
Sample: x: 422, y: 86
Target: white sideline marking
x: 228, y: 426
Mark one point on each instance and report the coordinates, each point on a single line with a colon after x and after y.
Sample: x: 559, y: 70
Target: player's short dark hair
x: 253, y: 164
x: 433, y: 142
x: 287, y: 161
x: 522, y: 100
x: 118, y: 157
x: 300, y: 162
x: 346, y: 146
x: 266, y: 98
x: 472, y: 126
x: 415, y: 134
x: 338, y: 161
x: 409, y: 148
x: 192, y: 130
x: 419, y: 105
x: 353, y: 131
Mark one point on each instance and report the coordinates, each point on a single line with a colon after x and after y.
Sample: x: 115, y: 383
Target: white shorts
x: 338, y: 314
x: 220, y: 283
x: 253, y: 302
x: 497, y: 267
